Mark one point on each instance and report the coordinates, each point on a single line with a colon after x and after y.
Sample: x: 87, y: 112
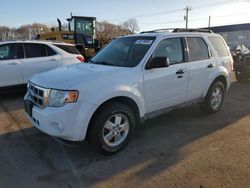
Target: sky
x: 150, y: 14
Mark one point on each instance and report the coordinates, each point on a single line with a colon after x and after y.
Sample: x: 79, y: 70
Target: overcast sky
x: 151, y: 14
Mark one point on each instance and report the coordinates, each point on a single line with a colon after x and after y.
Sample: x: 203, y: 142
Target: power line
x: 193, y: 20
x: 155, y: 23
x: 222, y: 3
x: 151, y: 14
x: 222, y: 16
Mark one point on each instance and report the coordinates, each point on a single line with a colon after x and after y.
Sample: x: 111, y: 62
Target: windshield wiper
x: 90, y: 61
x: 103, y: 63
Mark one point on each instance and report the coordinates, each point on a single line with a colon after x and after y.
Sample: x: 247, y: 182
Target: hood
x: 65, y: 77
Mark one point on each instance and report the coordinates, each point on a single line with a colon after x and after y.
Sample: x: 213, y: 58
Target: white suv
x: 132, y: 79
x: 19, y: 60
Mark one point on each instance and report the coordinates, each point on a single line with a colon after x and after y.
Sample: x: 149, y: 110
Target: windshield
x: 124, y: 52
x: 84, y: 27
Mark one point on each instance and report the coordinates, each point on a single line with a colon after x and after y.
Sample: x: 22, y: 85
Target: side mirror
x: 158, y: 62
x: 1, y: 57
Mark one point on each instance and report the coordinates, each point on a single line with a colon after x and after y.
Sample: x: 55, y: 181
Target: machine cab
x: 84, y: 29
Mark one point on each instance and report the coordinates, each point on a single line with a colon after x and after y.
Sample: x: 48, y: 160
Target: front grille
x: 37, y: 95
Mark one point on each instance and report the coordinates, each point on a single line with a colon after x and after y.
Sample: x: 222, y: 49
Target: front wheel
x: 112, y: 128
x: 214, y: 98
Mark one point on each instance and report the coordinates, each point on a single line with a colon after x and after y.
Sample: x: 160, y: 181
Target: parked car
x: 241, y: 57
x: 132, y: 79
x: 19, y: 60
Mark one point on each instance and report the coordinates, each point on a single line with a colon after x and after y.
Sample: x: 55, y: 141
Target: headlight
x: 58, y: 98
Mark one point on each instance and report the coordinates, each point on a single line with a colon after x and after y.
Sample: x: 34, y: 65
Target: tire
x: 214, y: 98
x: 112, y: 128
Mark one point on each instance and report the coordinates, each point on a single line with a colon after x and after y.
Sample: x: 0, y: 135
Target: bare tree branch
x: 131, y: 25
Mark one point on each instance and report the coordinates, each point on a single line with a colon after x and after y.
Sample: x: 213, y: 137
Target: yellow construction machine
x: 81, y: 32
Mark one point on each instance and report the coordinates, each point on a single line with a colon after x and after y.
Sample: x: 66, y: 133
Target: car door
x: 39, y: 58
x: 11, y: 56
x: 167, y: 86
x: 200, y: 68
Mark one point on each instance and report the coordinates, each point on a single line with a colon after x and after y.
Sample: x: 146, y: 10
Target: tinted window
x: 198, y: 49
x: 50, y: 52
x: 219, y: 46
x: 68, y: 48
x: 171, y: 48
x: 35, y: 50
x: 11, y: 51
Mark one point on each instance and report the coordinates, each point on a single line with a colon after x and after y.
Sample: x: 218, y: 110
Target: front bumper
x: 69, y: 122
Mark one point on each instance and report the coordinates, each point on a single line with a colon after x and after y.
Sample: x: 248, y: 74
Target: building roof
x: 229, y: 28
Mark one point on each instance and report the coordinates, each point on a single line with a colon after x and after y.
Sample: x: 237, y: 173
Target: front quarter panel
x: 124, y: 84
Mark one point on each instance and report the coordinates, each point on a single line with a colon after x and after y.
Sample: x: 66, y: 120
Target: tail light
x: 80, y: 58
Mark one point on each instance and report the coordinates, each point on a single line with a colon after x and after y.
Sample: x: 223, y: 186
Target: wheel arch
x: 221, y: 78
x: 121, y: 99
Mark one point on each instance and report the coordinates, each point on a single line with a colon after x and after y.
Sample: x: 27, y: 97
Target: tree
x: 29, y: 32
x: 106, y: 31
x: 38, y: 28
x: 131, y: 25
x: 24, y: 32
x: 4, y: 33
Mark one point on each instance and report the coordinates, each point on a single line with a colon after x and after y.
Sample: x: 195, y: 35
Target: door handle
x: 180, y: 71
x: 13, y: 63
x: 210, y: 65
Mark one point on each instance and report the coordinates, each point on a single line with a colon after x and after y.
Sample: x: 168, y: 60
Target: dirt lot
x: 184, y: 148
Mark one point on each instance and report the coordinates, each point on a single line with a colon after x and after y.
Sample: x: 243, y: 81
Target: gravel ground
x: 184, y: 148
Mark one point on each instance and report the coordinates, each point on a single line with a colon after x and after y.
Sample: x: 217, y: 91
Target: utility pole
x: 186, y: 16
x: 209, y: 22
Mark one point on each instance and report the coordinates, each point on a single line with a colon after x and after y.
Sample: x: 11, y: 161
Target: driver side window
x: 171, y: 48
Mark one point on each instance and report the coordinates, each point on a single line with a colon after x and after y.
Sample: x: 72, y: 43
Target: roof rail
x: 158, y: 30
x: 177, y: 30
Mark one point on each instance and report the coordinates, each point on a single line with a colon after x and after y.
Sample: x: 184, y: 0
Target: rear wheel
x: 214, y: 98
x: 112, y: 128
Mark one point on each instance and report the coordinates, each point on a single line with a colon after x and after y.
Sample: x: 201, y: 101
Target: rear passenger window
x: 35, y: 50
x: 198, y: 49
x: 171, y: 48
x: 219, y: 46
x: 68, y: 48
